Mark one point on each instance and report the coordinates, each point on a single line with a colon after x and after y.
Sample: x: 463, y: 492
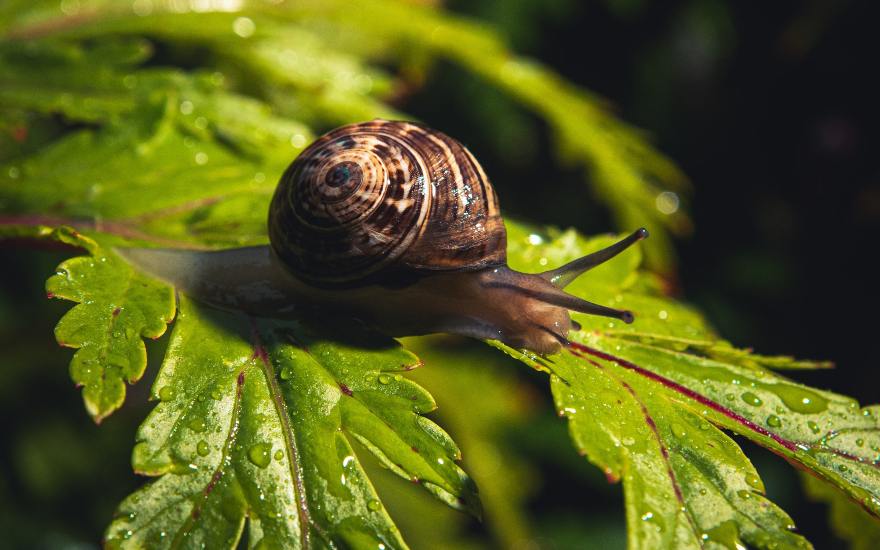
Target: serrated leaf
x: 117, y: 308
x: 325, y: 81
x: 151, y: 181
x: 86, y: 84
x: 645, y: 409
x: 497, y: 405
x: 264, y: 420
x: 850, y: 521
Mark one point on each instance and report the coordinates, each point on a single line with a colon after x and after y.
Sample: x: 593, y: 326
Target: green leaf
x: 850, y: 521
x: 458, y: 372
x: 154, y: 179
x: 626, y: 173
x: 89, y: 84
x: 117, y: 308
x: 264, y: 420
x: 174, y: 158
x: 645, y: 406
x: 286, y: 55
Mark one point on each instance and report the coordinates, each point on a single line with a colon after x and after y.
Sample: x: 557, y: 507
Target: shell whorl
x: 383, y: 200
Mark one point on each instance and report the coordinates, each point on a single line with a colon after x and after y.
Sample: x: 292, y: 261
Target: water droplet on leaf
x: 755, y: 482
x: 751, y: 399
x: 166, y: 393
x: 260, y: 455
x: 202, y: 448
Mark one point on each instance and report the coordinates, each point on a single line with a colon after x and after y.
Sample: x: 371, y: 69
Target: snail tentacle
x: 396, y: 225
x: 563, y: 276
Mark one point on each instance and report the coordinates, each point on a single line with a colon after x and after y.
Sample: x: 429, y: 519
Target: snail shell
x: 396, y: 225
x: 384, y: 201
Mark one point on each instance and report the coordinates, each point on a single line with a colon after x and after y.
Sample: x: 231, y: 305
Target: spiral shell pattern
x: 383, y: 200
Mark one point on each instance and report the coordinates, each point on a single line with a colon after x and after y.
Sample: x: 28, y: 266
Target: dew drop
x: 384, y: 378
x: 647, y: 516
x: 215, y: 394
x: 813, y: 427
x: 773, y: 421
x: 860, y: 442
x: 730, y: 397
x: 166, y: 393
x: 667, y: 202
x: 197, y: 425
x: 628, y: 441
x: 279, y: 454
x: 373, y: 504
x: 751, y: 399
x: 800, y: 400
x: 260, y: 454
x: 679, y: 431
x: 286, y: 373
x: 754, y: 482
x: 244, y: 27
x: 725, y: 534
x: 298, y: 141
x: 742, y: 493
x: 142, y: 8
x: 202, y: 448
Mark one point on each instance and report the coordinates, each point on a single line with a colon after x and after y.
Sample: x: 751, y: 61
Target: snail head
x: 533, y: 309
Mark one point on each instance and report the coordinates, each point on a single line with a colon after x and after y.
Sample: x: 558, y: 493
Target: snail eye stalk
x: 563, y: 276
x: 563, y: 299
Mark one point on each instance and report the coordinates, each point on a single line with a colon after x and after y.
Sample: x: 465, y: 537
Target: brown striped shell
x: 384, y: 202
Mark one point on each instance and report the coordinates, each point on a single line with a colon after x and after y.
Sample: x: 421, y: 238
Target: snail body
x: 396, y: 225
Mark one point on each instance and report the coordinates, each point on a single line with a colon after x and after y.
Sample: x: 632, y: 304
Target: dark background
x: 771, y: 110
x: 769, y: 107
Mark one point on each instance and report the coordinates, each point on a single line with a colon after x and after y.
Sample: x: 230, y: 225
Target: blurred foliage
x: 320, y: 63
x: 167, y: 122
x: 851, y: 522
x: 645, y: 403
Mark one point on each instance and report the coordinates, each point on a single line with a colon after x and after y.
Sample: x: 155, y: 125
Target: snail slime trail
x: 354, y: 228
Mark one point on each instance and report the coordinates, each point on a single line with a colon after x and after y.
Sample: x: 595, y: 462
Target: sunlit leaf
x: 646, y: 406
x: 116, y: 308
x: 258, y: 419
x: 848, y: 519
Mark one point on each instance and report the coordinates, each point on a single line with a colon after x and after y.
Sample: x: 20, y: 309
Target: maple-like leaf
x: 263, y: 420
x: 645, y: 403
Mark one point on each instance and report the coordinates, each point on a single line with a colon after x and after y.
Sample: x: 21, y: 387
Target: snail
x: 397, y: 225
